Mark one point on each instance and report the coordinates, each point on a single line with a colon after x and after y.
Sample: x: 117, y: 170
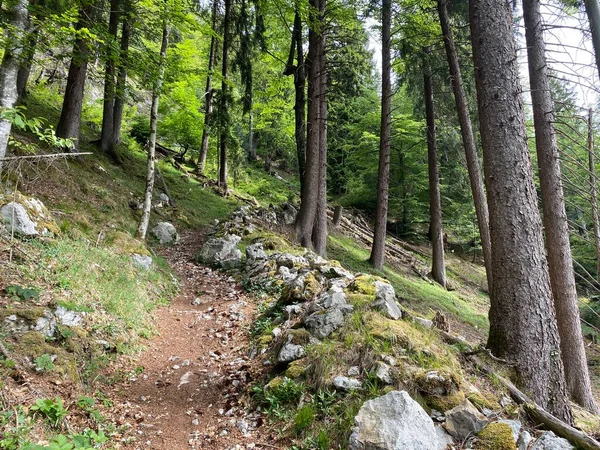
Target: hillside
x: 100, y: 351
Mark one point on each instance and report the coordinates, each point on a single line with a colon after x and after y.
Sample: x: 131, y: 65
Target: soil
x: 193, y: 377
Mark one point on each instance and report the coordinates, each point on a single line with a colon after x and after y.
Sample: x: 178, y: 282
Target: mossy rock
x: 363, y: 284
x: 483, y: 401
x: 274, y: 383
x: 299, y: 336
x: 359, y: 301
x: 31, y: 314
x: 310, y: 289
x: 444, y: 402
x: 34, y: 345
x: 437, y: 382
x: 296, y: 369
x: 36, y: 210
x: 126, y: 243
x: 265, y: 340
x: 496, y: 436
x: 270, y: 241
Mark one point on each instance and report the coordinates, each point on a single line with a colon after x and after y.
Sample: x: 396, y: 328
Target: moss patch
x: 496, y: 436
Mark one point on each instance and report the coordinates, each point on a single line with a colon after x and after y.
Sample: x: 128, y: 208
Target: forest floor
x: 189, y: 393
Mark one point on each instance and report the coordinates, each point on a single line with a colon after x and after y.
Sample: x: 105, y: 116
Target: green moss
x: 482, y: 401
x: 496, y: 436
x: 363, y: 284
x: 444, y: 402
x: 31, y: 314
x: 270, y: 241
x: 126, y: 243
x: 275, y: 383
x: 359, y: 301
x: 296, y: 369
x: 300, y: 336
x: 265, y: 340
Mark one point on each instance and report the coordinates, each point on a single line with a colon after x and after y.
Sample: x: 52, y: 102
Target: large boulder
x: 394, y: 422
x: 464, y: 420
x: 166, y: 233
x: 321, y: 324
x: 333, y: 298
x: 16, y: 218
x: 549, y: 441
x: 385, y: 300
x: 221, y: 252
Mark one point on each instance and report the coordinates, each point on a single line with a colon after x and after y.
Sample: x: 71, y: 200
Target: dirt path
x: 190, y: 392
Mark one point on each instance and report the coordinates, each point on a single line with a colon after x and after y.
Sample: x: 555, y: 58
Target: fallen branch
x: 540, y: 415
x: 49, y: 155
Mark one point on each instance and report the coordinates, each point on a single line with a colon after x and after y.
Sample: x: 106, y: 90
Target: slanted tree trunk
x: 108, y: 118
x: 593, y: 191
x: 319, y: 235
x: 223, y: 112
x: 523, y: 327
x: 27, y: 57
x: 208, y: 92
x: 121, y: 87
x: 438, y: 266
x: 383, y: 179
x: 468, y: 139
x: 13, y: 36
x: 310, y: 188
x: 560, y: 263
x: 299, y: 72
x: 592, y: 8
x: 143, y: 226
x: 70, y: 116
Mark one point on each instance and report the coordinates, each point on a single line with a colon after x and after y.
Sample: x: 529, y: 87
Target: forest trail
x: 189, y: 394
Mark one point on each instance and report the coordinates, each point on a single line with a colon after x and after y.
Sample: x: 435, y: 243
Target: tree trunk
x: 121, y: 88
x: 310, y: 188
x: 468, y: 139
x: 337, y: 215
x: 523, y: 326
x: 13, y: 36
x: 70, y: 116
x: 438, y: 266
x: 208, y: 93
x: 33, y: 32
x: 592, y: 8
x: 319, y: 235
x: 143, y: 226
x: 223, y: 113
x: 593, y: 192
x: 383, y: 179
x: 108, y: 118
x: 560, y: 263
x: 251, y: 146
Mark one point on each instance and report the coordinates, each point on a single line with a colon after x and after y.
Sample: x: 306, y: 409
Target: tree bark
x: 592, y: 8
x: 208, y: 92
x: 593, y: 192
x: 383, y: 179
x: 438, y: 266
x: 310, y: 188
x: 13, y: 35
x: 523, y: 325
x: 27, y: 57
x: 223, y: 113
x: 319, y: 235
x: 337, y: 216
x: 468, y: 139
x: 145, y: 219
x: 70, y: 116
x: 121, y: 88
x: 560, y: 263
x: 108, y: 118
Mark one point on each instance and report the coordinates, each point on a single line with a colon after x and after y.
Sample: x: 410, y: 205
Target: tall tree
x: 70, y: 116
x: 593, y: 189
x: 383, y: 179
x: 36, y: 8
x: 121, y: 86
x: 14, y: 35
x: 560, y: 263
x: 108, y: 112
x: 592, y: 8
x: 468, y: 139
x: 438, y: 265
x: 314, y: 164
x: 224, y: 103
x: 208, y: 92
x: 299, y: 73
x: 523, y: 326
x: 145, y: 219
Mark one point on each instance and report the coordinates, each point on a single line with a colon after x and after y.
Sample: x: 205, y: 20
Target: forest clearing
x: 303, y: 225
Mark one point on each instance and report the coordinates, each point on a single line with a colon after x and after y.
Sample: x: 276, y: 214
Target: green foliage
x: 304, y: 418
x: 279, y: 397
x: 21, y: 293
x: 52, y: 411
x: 44, y: 363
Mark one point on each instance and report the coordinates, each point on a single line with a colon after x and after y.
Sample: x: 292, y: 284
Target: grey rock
x: 290, y: 352
x: 524, y: 440
x: 322, y: 324
x: 166, y: 233
x: 67, y: 317
x: 286, y: 274
x: 15, y: 216
x: 464, y: 420
x: 46, y: 325
x: 549, y: 441
x: 436, y: 383
x: 353, y: 371
x: 315, y: 261
x: 515, y: 427
x: 221, y: 252
x: 394, y: 422
x: 444, y: 438
x: 290, y: 261
x: 164, y: 197
x: 142, y: 261
x: 385, y: 300
x: 339, y: 282
x: 437, y: 416
x: 426, y: 323
x: 196, y: 302
x: 383, y: 372
x: 333, y: 298
x: 346, y: 384
x: 256, y: 252
x: 17, y: 325
x: 289, y: 214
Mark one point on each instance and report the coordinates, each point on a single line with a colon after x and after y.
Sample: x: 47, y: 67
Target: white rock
x: 142, y: 261
x: 166, y: 233
x: 67, y: 317
x: 549, y: 441
x: 346, y: 384
x: 385, y: 300
x: 15, y: 216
